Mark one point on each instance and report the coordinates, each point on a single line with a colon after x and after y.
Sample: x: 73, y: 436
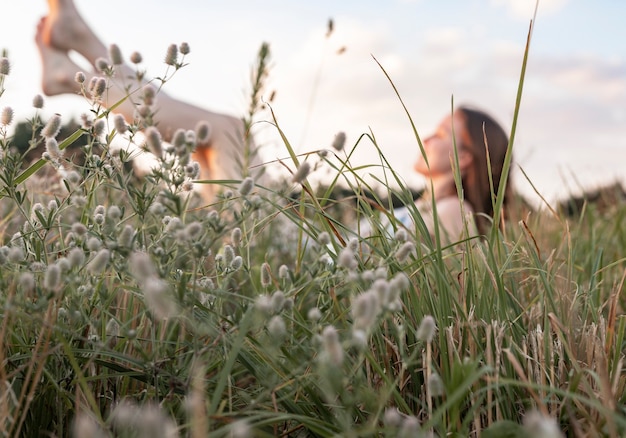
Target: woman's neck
x: 441, y: 186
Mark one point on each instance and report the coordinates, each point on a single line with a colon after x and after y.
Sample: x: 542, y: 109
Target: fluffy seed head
x: 125, y: 238
x: 52, y: 147
x: 246, y: 186
x: 277, y: 328
x: 302, y: 172
x: 99, y: 127
x: 323, y: 238
x: 171, y: 56
x: 99, y: 262
x: 235, y: 236
x: 136, y: 58
x: 80, y: 77
x: 266, y: 275
x: 435, y: 385
x: 149, y: 94
x: 237, y: 263
x: 158, y: 299
x: 340, y: 141
x: 52, y: 278
x: 99, y: 88
x: 101, y: 64
x: 38, y: 101
x: 407, y: 249
x: 116, y: 55
x: 76, y: 257
x: 332, y: 347
x: 153, y: 141
x: 53, y: 127
x: 427, y: 329
x: 120, y: 123
x: 203, y: 132
x: 5, y: 66
x: 7, y: 116
x: 346, y: 259
x: 141, y: 266
x: 184, y: 48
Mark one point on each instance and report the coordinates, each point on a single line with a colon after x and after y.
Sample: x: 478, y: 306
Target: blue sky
x: 572, y: 126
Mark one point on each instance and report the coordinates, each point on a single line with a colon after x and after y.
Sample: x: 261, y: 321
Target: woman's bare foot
x: 58, y: 70
x: 65, y: 30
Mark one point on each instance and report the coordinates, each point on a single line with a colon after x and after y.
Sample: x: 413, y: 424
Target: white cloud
x: 524, y: 9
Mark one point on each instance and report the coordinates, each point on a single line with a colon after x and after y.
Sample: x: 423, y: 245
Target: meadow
x: 129, y: 307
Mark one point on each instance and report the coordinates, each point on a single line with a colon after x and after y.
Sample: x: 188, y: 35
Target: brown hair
x: 481, y: 134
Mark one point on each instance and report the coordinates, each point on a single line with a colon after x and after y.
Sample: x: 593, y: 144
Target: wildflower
x: 229, y: 254
x: 283, y: 272
x: 392, y: 417
x: 116, y: 55
x: 407, y: 249
x: 79, y: 77
x: 359, y: 339
x: 401, y: 235
x: 125, y: 238
x: 141, y: 266
x: 263, y: 304
x: 353, y: 244
x: 119, y: 122
x: 86, y: 121
x: 153, y: 141
x: 246, y: 186
x: 74, y: 178
x: 102, y: 65
x: 241, y: 429
x: 203, y: 132
x: 347, y: 259
x: 194, y: 230
x: 302, y: 172
x: 15, y: 254
x: 382, y: 289
x: 99, y: 88
x: 38, y: 101
x: 539, y: 425
x: 427, y: 329
x: 435, y: 385
x: 365, y: 310
x: 266, y: 275
x: 314, y: 314
x: 156, y: 294
x: 5, y: 66
x: 76, y: 257
x: 52, y: 278
x: 184, y: 48
x: 84, y: 425
x: 171, y: 55
x: 136, y: 58
x: 53, y: 205
x: 323, y: 238
x: 99, y: 127
x: 410, y: 427
x: 190, y: 137
x: 276, y: 328
x: 7, y: 116
x: 53, y: 127
x: 94, y: 244
x: 52, y: 148
x: 114, y: 213
x: 333, y: 352
x: 178, y: 139
x: 340, y: 141
x: 99, y: 219
x: 79, y: 229
x: 278, y: 301
x: 237, y: 263
x: 149, y: 93
x: 99, y: 262
x: 157, y: 208
x: 27, y: 282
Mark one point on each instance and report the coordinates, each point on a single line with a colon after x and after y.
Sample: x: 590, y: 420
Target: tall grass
x: 129, y: 309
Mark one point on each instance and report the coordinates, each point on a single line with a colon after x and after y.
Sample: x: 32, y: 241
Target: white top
x: 452, y: 214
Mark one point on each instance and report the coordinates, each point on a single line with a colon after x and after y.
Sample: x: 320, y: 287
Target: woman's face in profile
x: 439, y: 147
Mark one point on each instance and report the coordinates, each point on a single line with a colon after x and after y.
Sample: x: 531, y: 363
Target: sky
x: 571, y: 131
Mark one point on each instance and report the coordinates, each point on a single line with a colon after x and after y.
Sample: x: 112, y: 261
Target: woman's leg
x: 64, y: 30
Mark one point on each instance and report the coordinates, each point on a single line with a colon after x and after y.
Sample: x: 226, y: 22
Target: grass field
x: 128, y: 308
